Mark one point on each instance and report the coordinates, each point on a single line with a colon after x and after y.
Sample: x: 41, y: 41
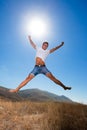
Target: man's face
x: 44, y: 46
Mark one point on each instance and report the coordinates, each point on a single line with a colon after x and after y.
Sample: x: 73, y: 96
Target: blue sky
x: 67, y: 22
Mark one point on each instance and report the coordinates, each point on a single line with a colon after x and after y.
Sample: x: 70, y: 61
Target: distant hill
x: 31, y: 94
x: 5, y: 94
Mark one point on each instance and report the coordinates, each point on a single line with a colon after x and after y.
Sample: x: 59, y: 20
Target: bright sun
x: 36, y: 27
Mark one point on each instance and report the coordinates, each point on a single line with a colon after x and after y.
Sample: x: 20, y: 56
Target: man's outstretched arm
x: 31, y: 42
x: 57, y: 47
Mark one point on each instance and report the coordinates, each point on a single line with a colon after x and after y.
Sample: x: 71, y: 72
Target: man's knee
x: 30, y: 77
x: 49, y: 75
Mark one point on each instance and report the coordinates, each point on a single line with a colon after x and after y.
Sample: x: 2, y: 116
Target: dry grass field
x: 28, y: 115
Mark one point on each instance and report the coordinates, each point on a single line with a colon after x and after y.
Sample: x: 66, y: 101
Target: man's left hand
x: 62, y: 43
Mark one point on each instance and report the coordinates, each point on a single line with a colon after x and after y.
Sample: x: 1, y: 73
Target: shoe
x: 67, y: 88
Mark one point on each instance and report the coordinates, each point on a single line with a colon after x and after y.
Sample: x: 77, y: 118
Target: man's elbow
x: 34, y: 46
x: 51, y: 51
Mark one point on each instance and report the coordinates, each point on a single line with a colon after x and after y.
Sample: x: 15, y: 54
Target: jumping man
x: 40, y: 67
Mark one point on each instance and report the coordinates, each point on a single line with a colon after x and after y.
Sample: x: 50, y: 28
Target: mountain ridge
x: 32, y: 94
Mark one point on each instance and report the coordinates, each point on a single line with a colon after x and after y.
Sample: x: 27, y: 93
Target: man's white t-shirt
x: 42, y: 53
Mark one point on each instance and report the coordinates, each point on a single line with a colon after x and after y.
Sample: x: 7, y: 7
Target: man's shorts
x: 39, y: 70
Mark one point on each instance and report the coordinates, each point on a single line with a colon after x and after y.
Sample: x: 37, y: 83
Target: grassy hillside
x: 28, y: 115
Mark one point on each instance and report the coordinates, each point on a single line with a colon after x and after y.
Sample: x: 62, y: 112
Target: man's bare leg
x: 49, y: 75
x: 30, y: 77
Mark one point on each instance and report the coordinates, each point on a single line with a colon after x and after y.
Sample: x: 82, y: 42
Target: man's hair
x: 45, y: 43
